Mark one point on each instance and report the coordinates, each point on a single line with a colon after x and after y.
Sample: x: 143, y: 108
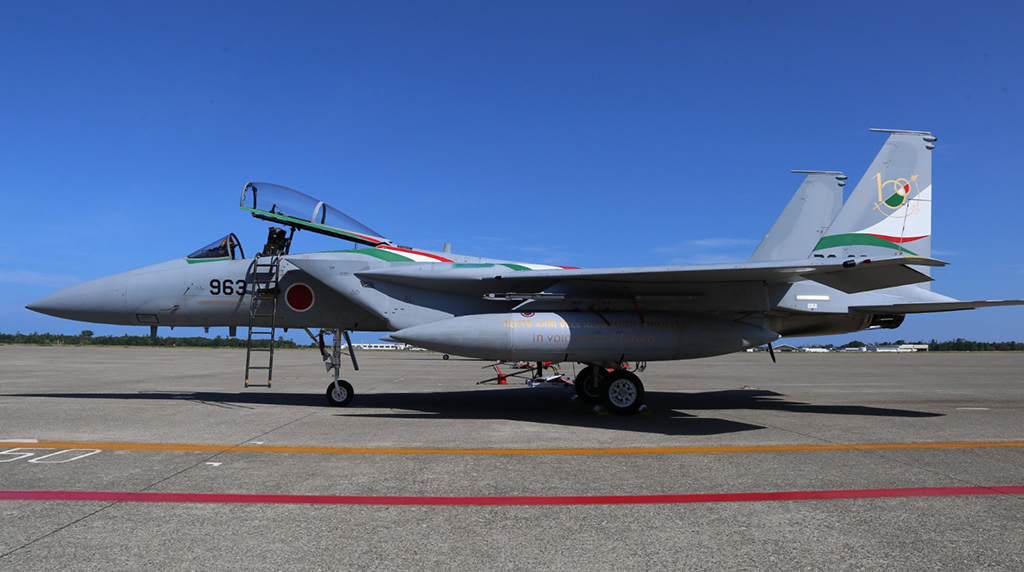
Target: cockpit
x: 221, y: 249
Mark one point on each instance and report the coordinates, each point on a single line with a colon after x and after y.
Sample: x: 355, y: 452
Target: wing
x: 849, y: 275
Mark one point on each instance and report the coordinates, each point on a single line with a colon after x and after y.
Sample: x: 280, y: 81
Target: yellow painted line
x: 184, y: 447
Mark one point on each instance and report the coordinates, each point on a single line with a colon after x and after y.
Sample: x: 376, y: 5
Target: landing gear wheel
x: 340, y: 396
x: 586, y: 389
x: 622, y: 392
x: 445, y: 356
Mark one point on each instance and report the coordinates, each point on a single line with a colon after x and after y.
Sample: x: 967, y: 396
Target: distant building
x: 902, y: 348
x: 384, y: 346
x: 786, y: 348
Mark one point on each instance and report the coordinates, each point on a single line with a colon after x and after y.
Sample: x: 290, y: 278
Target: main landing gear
x: 618, y: 390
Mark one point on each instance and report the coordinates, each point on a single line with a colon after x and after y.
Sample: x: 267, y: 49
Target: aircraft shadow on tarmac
x: 547, y: 406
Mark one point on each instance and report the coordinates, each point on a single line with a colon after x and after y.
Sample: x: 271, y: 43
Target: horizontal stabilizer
x: 868, y: 275
x: 926, y: 307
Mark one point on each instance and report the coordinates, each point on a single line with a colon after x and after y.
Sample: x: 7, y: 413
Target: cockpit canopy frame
x: 221, y: 249
x: 282, y: 205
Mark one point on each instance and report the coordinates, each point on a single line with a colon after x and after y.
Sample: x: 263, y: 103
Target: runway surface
x: 135, y: 457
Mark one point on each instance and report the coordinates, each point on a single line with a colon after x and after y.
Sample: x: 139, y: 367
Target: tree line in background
x: 88, y: 338
x: 962, y: 345
x: 957, y: 345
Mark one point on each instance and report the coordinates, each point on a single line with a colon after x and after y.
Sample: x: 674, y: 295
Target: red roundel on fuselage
x: 299, y: 297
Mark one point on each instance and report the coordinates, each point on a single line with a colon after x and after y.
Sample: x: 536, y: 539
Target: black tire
x: 445, y: 356
x: 343, y: 396
x: 622, y: 392
x: 586, y: 389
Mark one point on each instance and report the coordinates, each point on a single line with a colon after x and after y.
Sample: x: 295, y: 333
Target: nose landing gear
x: 340, y: 394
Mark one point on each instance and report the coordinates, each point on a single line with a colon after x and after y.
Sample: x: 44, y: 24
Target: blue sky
x: 576, y: 133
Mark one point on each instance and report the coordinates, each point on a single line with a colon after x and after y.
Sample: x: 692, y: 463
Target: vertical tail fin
x: 805, y: 219
x: 890, y: 209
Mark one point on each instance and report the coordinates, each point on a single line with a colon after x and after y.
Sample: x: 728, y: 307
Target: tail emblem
x: 893, y: 194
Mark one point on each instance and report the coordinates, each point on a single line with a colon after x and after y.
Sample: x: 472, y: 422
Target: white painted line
x: 80, y: 455
x: 213, y: 464
x: 255, y: 442
x: 973, y: 409
x: 19, y: 440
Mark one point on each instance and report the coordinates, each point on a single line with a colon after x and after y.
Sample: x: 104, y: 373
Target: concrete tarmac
x: 873, y: 431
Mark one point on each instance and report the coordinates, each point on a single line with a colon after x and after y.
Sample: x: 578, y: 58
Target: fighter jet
x: 824, y: 268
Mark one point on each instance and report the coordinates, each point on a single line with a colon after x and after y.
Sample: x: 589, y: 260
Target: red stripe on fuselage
x: 407, y: 251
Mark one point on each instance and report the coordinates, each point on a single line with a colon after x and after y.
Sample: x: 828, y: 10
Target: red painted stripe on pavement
x: 107, y: 496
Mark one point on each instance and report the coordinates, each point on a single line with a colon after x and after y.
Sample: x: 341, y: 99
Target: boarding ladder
x: 266, y: 270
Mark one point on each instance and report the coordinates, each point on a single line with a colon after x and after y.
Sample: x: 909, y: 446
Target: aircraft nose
x: 101, y: 300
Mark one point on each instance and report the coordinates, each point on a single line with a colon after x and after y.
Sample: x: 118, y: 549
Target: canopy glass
x: 286, y: 206
x: 221, y: 249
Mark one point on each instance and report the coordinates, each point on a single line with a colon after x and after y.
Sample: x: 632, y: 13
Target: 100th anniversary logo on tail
x: 894, y: 194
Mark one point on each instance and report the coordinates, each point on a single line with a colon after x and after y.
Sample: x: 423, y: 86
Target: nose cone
x: 100, y: 301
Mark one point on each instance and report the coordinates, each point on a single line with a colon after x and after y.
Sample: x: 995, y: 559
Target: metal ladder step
x: 262, y: 306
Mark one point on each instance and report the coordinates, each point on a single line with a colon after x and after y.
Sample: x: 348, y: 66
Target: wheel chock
x: 600, y: 410
x: 644, y: 410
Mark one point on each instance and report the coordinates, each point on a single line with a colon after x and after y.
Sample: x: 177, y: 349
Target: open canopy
x: 282, y: 205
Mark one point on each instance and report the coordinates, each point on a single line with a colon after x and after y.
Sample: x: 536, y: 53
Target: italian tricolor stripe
x: 398, y: 254
x: 414, y: 255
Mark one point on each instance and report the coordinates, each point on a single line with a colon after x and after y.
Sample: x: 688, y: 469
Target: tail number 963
x: 227, y: 287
